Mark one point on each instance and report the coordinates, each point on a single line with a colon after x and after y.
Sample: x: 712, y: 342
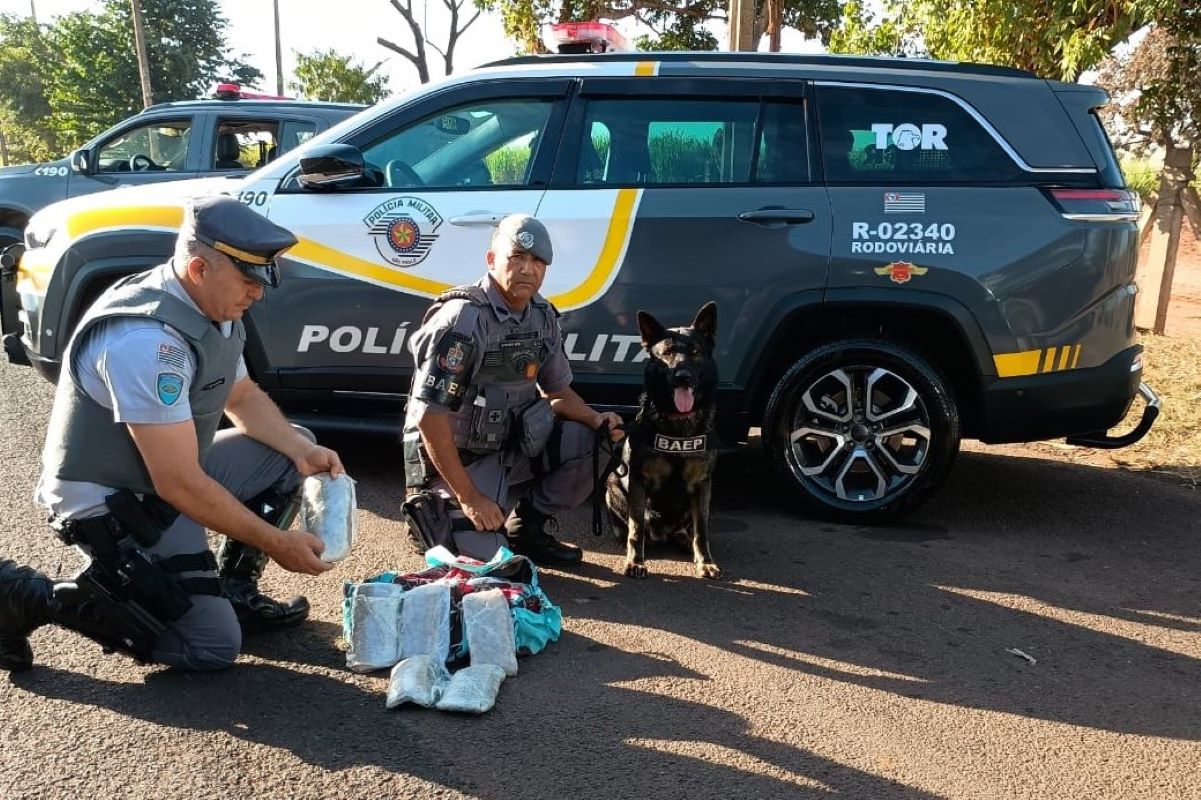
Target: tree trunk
x: 775, y: 24
x: 1156, y: 273
x: 139, y: 41
x: 742, y: 26
x: 279, y: 55
x: 3, y: 150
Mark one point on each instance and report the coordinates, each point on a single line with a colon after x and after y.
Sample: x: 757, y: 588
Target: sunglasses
x: 264, y: 274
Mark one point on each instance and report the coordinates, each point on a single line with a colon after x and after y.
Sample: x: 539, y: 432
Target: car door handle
x: 478, y: 218
x: 777, y: 216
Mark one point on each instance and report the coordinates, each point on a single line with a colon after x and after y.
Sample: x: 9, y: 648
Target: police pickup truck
x: 232, y: 135
x: 903, y: 252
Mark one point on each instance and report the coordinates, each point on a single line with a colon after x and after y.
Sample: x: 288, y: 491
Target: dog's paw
x: 632, y: 569
x: 709, y: 570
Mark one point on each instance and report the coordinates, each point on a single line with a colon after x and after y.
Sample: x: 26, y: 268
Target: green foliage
x: 1141, y: 175
x: 507, y: 165
x: 24, y: 111
x: 1053, y: 38
x: 66, y: 82
x: 678, y: 158
x: 328, y: 75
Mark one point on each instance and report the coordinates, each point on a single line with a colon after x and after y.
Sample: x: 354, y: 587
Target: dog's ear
x: 706, y: 321
x: 652, y: 331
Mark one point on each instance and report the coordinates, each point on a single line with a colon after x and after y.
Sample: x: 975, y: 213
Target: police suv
x: 168, y: 142
x: 903, y: 252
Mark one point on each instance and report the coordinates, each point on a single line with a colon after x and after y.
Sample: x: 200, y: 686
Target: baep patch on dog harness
x: 681, y: 445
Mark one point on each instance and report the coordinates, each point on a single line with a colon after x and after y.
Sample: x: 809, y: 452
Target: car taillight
x: 1096, y: 205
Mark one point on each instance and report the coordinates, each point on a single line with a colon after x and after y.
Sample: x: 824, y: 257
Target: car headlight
x: 38, y: 234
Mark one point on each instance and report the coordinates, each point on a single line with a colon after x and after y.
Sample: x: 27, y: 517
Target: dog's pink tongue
x: 683, y: 399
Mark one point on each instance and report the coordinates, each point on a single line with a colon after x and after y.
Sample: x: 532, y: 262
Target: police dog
x: 661, y: 490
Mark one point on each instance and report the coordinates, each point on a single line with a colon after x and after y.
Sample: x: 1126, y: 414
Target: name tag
x: 679, y: 445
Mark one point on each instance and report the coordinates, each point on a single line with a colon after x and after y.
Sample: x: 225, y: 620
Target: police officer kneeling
x: 492, y: 421
x: 134, y: 468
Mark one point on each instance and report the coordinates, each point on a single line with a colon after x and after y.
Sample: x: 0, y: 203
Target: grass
x: 1172, y: 366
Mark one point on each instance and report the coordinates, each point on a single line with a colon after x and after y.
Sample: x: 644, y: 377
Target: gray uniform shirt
x: 554, y: 375
x: 118, y: 364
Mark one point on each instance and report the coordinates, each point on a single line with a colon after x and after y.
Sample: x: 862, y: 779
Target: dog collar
x: 681, y: 445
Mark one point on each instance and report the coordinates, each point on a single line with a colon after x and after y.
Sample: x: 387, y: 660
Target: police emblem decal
x: 169, y: 387
x: 901, y: 271
x: 525, y: 240
x: 404, y: 230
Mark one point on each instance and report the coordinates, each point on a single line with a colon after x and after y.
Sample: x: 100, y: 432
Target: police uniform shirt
x: 553, y: 375
x: 118, y: 364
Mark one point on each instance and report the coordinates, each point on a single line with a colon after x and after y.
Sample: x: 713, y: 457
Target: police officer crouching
x: 134, y: 468
x: 492, y: 422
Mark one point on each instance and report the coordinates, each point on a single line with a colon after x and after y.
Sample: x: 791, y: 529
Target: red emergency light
x: 232, y: 91
x: 585, y: 37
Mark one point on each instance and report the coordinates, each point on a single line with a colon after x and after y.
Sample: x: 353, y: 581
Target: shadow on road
x: 518, y: 750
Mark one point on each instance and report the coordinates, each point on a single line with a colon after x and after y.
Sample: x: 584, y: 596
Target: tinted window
x: 155, y: 147
x: 685, y: 142
x: 490, y: 143
x: 887, y: 136
x: 245, y: 144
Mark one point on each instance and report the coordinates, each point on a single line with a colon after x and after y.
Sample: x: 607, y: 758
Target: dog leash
x: 600, y: 476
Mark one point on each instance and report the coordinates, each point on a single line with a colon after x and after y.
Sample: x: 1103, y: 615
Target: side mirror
x: 332, y: 166
x: 81, y: 160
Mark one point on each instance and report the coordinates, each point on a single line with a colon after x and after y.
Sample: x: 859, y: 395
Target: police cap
x: 527, y: 234
x: 250, y: 240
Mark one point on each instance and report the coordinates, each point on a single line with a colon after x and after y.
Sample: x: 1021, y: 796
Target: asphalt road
x: 834, y: 661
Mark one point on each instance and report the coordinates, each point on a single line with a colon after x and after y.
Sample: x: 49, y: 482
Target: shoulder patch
x: 170, y: 385
x: 445, y: 380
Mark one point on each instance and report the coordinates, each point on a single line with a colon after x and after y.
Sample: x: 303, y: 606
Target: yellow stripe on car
x: 1033, y: 362
x: 646, y: 69
x: 164, y: 217
x: 621, y: 222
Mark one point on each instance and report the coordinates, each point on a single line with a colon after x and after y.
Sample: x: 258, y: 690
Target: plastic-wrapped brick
x: 418, y: 680
x: 328, y: 512
x: 490, y: 630
x: 472, y: 689
x: 425, y: 622
x: 374, y: 640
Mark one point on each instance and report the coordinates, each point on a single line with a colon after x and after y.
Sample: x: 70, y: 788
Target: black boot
x: 526, y: 529
x: 239, y: 567
x: 25, y: 604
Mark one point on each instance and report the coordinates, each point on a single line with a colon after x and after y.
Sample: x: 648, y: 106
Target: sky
x: 309, y: 25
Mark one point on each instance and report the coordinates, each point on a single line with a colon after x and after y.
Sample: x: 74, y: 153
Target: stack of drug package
x: 407, y: 623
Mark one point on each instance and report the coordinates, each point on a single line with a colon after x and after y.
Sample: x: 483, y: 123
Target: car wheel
x: 862, y: 430
x: 10, y: 236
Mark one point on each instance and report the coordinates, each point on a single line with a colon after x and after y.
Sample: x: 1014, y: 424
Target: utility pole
x: 279, y: 57
x: 33, y: 11
x: 139, y: 40
x: 742, y: 26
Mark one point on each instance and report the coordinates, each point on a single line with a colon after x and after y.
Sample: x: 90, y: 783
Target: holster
x: 428, y: 520
x: 419, y: 469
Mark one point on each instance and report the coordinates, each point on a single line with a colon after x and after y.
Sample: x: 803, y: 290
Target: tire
x: 838, y: 458
x: 10, y: 236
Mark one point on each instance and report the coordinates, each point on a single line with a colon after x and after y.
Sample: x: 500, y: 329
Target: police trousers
x: 558, y: 480
x: 207, y: 636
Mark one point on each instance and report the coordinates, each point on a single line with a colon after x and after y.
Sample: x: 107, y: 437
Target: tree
x: 94, y: 81
x: 25, y: 54
x: 1157, y: 103
x: 327, y: 75
x: 1052, y: 38
x: 418, y: 56
x: 676, y: 24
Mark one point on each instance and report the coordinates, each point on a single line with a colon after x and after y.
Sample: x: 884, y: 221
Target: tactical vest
x: 83, y: 442
x: 506, y: 376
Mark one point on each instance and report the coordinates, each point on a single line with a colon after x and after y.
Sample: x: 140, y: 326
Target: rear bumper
x: 1078, y: 404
